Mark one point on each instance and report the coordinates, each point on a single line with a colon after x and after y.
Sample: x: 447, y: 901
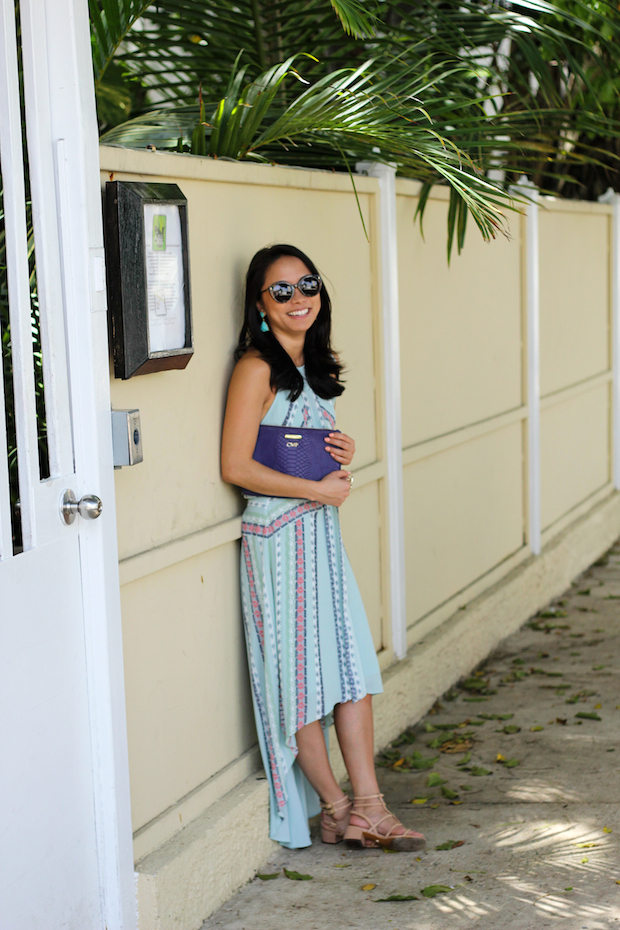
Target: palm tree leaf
x: 354, y: 17
x: 112, y: 21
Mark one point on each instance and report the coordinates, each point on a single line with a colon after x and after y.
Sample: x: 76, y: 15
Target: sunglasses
x: 310, y: 285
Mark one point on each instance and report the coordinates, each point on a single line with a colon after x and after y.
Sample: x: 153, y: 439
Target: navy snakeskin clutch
x: 294, y: 450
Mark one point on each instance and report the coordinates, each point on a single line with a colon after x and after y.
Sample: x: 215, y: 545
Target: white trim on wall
x: 611, y: 197
x: 532, y: 292
x: 386, y: 175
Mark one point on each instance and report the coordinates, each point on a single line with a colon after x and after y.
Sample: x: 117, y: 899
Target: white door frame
x: 64, y: 163
x: 74, y: 129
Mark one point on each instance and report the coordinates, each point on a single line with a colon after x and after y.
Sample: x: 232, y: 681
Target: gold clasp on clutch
x: 292, y: 436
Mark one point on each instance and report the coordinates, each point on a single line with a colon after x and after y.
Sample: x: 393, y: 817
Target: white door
x: 65, y: 831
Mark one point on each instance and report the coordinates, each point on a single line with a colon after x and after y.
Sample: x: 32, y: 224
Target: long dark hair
x: 322, y: 368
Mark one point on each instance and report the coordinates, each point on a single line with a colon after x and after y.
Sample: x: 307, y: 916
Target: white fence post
x: 527, y: 190
x: 611, y: 197
x: 386, y: 175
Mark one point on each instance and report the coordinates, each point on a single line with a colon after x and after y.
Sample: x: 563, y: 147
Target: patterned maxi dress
x: 308, y: 641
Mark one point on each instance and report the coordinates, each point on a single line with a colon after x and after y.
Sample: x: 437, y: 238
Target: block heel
x: 332, y: 830
x: 369, y: 836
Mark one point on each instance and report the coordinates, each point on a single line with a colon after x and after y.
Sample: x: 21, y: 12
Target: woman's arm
x: 248, y: 397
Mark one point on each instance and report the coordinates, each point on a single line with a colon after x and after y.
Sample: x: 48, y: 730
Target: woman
x: 310, y: 650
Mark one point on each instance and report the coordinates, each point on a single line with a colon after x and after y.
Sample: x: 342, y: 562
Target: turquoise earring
x: 264, y: 327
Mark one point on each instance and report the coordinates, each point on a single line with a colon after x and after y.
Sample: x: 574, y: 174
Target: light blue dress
x: 307, y: 635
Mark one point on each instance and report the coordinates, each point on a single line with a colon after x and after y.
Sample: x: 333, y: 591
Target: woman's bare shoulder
x: 252, y: 369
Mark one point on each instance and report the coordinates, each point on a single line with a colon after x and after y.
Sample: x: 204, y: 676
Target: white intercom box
x: 126, y: 437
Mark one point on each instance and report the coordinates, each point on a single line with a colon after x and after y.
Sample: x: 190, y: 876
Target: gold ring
x: 351, y: 479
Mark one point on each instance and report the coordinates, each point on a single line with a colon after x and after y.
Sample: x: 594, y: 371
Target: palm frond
x: 347, y: 112
x: 527, y: 87
x: 355, y: 18
x: 111, y: 23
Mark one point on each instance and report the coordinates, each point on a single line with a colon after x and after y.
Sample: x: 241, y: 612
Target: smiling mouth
x: 299, y: 313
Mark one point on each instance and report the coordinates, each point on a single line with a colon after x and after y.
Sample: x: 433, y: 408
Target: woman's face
x: 299, y: 313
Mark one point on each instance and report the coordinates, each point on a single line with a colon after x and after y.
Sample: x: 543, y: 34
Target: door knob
x: 89, y: 506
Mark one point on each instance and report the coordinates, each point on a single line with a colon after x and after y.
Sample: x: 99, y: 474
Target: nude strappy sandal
x: 369, y: 836
x: 332, y: 830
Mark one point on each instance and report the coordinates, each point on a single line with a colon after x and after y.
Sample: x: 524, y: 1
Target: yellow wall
x: 462, y: 389
x: 188, y: 701
x: 575, y: 354
x: 464, y: 427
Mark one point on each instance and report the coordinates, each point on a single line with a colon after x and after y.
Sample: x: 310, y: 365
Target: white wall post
x: 527, y: 190
x: 386, y: 175
x: 612, y: 198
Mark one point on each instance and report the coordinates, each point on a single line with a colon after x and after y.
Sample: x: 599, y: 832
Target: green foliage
x: 503, y: 89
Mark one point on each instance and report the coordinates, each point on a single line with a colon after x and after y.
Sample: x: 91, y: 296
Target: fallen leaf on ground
x: 496, y: 716
x: 267, y: 878
x: 474, y: 684
x: 500, y: 757
x: 451, y: 844
x: 435, y: 780
x: 584, y: 860
x: 473, y: 700
x: 579, y: 695
x: 417, y: 761
x: 561, y: 720
x: 585, y: 845
x: 396, y: 764
x: 368, y: 887
x: 509, y: 729
x: 419, y: 800
x: 431, y: 890
x: 465, y: 787
x: 585, y: 716
x: 438, y: 742
x: 478, y: 770
x: 455, y: 746
x: 607, y: 830
x: 386, y: 850
x: 448, y: 793
x: 464, y: 760
x: 343, y: 865
x: 569, y: 888
x: 434, y: 806
x: 511, y: 763
x: 597, y: 706
x: 456, y: 802
x: 536, y: 729
x: 399, y: 897
x: 297, y: 876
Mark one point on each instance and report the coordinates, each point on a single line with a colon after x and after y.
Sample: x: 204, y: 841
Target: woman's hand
x: 341, y: 447
x: 333, y: 489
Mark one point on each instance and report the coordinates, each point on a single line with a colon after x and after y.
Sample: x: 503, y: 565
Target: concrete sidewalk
x: 540, y: 832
